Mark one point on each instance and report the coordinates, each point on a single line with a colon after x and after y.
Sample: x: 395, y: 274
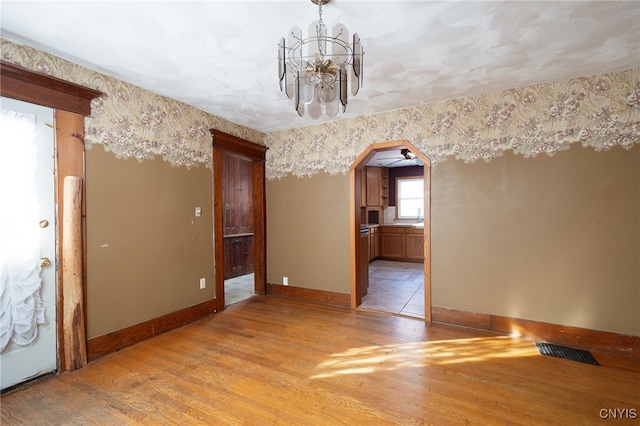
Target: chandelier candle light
x: 313, y: 71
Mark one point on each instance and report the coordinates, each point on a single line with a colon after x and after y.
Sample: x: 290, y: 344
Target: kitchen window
x: 410, y: 193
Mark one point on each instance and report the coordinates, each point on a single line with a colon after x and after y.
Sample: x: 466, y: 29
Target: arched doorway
x: 356, y: 251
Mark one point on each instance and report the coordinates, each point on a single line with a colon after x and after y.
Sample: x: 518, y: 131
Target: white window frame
x: 413, y: 199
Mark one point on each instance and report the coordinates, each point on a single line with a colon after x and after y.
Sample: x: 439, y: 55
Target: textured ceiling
x: 220, y: 56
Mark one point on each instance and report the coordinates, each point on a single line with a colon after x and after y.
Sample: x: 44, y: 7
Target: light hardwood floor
x: 275, y: 361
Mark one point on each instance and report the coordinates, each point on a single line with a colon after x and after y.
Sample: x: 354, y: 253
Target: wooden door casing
x: 356, y: 182
x: 255, y: 155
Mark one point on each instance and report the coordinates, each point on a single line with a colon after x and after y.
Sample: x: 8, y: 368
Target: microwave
x: 373, y: 216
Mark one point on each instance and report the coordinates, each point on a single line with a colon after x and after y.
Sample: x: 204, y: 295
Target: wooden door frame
x: 233, y: 145
x: 71, y: 103
x: 355, y: 186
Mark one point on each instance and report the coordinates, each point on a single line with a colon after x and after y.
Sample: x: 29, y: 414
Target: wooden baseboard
x: 103, y: 345
x: 310, y: 295
x: 575, y: 337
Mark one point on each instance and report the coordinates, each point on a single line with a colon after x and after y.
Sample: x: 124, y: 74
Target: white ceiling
x: 392, y: 158
x: 220, y: 56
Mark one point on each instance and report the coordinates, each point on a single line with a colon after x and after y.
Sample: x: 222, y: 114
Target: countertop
x: 398, y: 224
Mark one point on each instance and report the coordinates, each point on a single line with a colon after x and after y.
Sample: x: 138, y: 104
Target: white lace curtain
x: 20, y: 282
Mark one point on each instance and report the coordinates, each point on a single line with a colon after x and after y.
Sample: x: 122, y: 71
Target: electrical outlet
x: 203, y: 283
x: 285, y: 280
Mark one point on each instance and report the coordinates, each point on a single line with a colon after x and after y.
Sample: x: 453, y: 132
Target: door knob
x: 44, y: 223
x: 45, y: 262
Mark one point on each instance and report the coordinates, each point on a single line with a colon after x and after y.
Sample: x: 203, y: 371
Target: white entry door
x: 27, y: 202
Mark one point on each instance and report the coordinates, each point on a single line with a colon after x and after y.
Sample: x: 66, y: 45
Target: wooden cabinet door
x: 376, y: 244
x: 414, y: 244
x: 237, y: 195
x: 244, y: 195
x: 363, y: 187
x: 229, y: 258
x: 238, y: 256
x: 248, y: 255
x: 231, y: 225
x: 235, y: 256
x: 392, y: 243
x: 377, y: 186
x: 373, y: 187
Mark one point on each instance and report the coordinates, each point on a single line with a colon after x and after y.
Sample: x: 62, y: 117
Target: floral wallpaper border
x: 599, y: 111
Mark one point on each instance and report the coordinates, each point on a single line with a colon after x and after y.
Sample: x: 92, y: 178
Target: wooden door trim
x: 71, y: 103
x: 36, y: 88
x: 226, y: 143
x: 355, y: 184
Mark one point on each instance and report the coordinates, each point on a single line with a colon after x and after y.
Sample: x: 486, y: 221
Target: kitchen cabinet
x: 414, y: 244
x: 238, y: 255
x: 377, y: 186
x: 392, y: 242
x: 402, y: 243
x: 374, y: 243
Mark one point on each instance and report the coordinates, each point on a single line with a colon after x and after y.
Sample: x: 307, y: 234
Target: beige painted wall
x: 553, y: 239
x: 146, y: 250
x: 308, y: 232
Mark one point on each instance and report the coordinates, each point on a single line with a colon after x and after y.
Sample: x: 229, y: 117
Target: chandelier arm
x: 282, y: 63
x: 296, y: 98
x: 343, y: 88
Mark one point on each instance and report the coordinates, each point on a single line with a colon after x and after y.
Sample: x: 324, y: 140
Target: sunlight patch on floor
x: 371, y: 359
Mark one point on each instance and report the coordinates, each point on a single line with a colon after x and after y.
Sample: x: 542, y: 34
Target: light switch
x: 198, y: 211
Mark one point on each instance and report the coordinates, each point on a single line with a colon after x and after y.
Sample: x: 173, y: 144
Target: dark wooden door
x: 238, y: 256
x: 237, y: 195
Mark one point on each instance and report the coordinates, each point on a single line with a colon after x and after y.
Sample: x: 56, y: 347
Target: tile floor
x: 238, y: 289
x: 396, y: 287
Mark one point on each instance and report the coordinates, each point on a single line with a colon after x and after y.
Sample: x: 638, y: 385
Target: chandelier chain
x: 319, y: 29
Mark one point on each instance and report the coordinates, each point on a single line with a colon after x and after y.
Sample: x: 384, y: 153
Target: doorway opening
x: 390, y: 260
x: 239, y: 218
x: 237, y: 198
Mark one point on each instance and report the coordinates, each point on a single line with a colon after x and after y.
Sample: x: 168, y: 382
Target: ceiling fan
x: 405, y: 154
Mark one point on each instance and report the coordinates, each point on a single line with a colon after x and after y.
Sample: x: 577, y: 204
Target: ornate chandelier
x: 313, y: 71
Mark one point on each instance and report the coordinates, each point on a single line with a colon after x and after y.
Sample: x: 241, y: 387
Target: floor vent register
x: 566, y: 353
